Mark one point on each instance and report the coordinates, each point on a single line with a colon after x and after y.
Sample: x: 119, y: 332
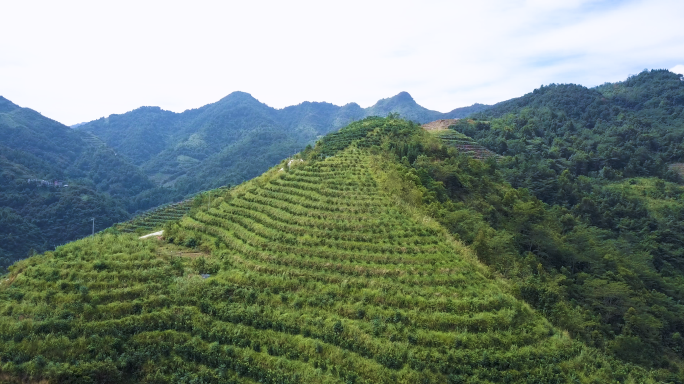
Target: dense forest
x: 37, y: 215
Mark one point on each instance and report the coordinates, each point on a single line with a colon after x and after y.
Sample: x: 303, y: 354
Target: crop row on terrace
x: 155, y: 218
x: 335, y: 284
x: 411, y: 308
x: 465, y: 144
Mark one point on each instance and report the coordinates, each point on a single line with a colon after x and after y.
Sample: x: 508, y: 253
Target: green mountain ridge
x: 129, y: 163
x: 386, y: 253
x: 236, y: 137
x: 326, y: 269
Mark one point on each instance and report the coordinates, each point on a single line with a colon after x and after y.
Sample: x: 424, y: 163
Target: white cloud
x: 679, y: 68
x: 79, y: 60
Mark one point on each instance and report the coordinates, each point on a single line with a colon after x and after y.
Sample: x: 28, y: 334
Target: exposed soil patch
x: 439, y: 125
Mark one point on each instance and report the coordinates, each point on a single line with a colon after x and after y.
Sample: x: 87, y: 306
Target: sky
x: 76, y: 61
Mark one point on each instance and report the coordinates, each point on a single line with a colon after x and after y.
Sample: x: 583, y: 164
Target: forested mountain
x: 38, y: 216
x: 327, y: 269
x: 128, y: 163
x: 235, y: 138
x: 610, y: 247
x: 53, y: 150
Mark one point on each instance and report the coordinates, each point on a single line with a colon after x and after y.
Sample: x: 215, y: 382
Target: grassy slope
x: 320, y: 273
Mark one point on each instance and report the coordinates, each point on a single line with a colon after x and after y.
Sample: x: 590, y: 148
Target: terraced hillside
x: 155, y: 218
x: 322, y: 272
x: 93, y: 140
x: 334, y: 281
x: 465, y: 144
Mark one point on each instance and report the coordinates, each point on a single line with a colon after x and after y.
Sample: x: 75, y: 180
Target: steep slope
x: 54, y: 150
x: 39, y: 216
x: 319, y: 271
x: 610, y: 238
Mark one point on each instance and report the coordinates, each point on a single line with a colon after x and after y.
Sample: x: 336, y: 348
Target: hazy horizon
x: 78, y: 61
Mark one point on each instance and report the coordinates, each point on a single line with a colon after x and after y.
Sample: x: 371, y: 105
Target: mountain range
x: 123, y: 164
x: 233, y: 139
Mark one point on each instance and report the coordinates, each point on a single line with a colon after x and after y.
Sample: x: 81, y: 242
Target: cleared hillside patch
x: 439, y: 125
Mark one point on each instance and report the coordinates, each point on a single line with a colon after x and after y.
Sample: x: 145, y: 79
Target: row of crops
x: 92, y: 140
x: 155, y: 219
x: 330, y: 281
x: 465, y: 144
x: 341, y: 139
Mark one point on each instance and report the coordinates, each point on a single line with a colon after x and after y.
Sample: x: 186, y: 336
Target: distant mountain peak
x: 398, y: 99
x: 238, y: 95
x: 404, y: 104
x: 403, y: 96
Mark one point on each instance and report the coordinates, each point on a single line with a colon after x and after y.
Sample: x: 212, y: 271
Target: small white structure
x: 152, y: 235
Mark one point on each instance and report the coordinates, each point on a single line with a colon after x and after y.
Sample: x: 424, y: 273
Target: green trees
x: 606, y: 240
x: 583, y: 265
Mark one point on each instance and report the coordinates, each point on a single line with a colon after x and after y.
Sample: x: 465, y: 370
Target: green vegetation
x: 126, y: 164
x: 234, y: 139
x: 328, y: 269
x: 627, y: 129
x: 609, y: 236
x: 155, y: 218
x: 35, y: 217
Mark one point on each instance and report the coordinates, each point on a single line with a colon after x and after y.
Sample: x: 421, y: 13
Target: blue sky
x: 77, y: 61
